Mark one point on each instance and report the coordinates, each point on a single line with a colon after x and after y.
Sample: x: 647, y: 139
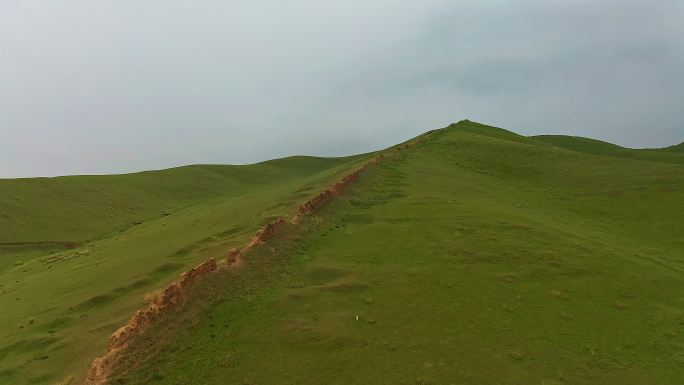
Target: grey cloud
x: 116, y: 86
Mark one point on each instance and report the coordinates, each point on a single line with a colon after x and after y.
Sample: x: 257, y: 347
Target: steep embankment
x: 476, y: 257
x: 120, y: 238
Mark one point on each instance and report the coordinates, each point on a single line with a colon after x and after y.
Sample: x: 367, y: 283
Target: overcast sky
x: 92, y: 86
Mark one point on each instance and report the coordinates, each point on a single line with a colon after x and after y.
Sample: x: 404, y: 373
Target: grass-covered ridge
x: 596, y: 147
x: 676, y: 148
x: 478, y: 256
x: 113, y: 240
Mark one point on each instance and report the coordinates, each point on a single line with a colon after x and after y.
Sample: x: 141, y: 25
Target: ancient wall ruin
x: 173, y: 296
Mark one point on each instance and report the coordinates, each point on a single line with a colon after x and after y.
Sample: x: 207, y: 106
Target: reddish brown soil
x: 234, y: 257
x: 267, y: 232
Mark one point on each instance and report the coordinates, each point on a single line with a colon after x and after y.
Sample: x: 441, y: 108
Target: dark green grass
x: 478, y: 257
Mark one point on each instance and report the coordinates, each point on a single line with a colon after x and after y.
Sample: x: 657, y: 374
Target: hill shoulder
x: 598, y: 147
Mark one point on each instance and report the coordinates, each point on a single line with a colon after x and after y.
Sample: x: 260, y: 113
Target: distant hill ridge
x: 676, y: 148
x: 598, y: 147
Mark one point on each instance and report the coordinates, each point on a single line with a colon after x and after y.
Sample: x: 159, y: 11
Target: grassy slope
x: 479, y: 257
x: 136, y: 233
x: 597, y: 147
x: 78, y: 208
x: 676, y: 148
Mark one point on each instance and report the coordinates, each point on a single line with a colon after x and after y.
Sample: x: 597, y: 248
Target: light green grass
x: 135, y: 233
x: 478, y: 257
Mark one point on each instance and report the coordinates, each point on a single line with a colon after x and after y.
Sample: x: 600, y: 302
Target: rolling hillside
x: 472, y: 256
x: 676, y: 148
x: 79, y: 254
x: 597, y: 147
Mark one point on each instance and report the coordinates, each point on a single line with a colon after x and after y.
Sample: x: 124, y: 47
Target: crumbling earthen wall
x: 267, y: 232
x: 176, y: 294
x: 164, y: 303
x: 337, y: 188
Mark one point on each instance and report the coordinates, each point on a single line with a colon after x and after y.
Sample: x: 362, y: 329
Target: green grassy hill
x: 78, y: 255
x: 78, y: 208
x: 676, y: 148
x: 477, y: 256
x: 597, y: 147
